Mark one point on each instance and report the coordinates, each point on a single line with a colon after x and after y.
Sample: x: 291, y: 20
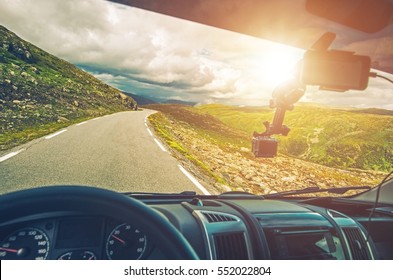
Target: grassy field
x: 214, y: 142
x: 348, y: 139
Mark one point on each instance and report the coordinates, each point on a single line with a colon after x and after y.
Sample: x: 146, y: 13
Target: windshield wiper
x: 184, y: 193
x: 341, y: 190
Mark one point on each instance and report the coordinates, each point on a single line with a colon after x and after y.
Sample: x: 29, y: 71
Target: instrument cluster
x: 73, y: 238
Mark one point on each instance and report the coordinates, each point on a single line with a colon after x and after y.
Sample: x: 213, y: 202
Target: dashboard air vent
x: 357, y: 243
x: 215, y: 218
x: 336, y: 214
x: 231, y: 246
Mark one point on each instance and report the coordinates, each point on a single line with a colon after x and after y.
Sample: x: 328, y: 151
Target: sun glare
x: 277, y: 64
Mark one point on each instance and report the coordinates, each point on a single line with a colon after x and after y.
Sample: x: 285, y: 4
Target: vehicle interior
x: 86, y: 222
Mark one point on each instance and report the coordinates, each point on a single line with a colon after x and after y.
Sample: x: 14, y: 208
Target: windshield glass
x: 100, y: 94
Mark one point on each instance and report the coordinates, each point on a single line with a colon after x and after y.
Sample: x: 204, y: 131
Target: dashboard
x: 216, y: 228
x: 73, y: 237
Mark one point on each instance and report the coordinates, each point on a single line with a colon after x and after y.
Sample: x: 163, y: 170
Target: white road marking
x: 160, y: 145
x: 193, y: 180
x: 10, y: 155
x: 148, y: 130
x: 55, y: 134
x: 82, y: 123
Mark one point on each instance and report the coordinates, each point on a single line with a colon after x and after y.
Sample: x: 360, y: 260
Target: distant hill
x: 141, y: 100
x: 180, y: 102
x: 374, y: 111
x: 40, y: 93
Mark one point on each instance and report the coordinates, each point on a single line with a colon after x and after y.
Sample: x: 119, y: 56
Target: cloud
x: 156, y: 55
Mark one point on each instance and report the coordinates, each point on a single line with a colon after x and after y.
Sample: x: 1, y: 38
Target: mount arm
x: 283, y: 99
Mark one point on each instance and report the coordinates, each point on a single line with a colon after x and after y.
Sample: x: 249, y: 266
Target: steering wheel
x: 95, y: 201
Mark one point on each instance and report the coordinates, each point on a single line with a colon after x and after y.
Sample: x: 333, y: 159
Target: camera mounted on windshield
x: 331, y: 70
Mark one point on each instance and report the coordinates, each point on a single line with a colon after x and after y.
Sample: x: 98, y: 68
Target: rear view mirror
x: 335, y: 70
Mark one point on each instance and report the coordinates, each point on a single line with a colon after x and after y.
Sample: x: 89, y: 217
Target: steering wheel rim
x: 96, y: 201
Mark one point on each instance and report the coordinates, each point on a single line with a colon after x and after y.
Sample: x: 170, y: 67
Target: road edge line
x: 159, y: 145
x: 10, y: 155
x: 193, y: 180
x: 55, y: 134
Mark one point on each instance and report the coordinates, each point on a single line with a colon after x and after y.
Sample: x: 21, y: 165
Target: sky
x: 163, y: 57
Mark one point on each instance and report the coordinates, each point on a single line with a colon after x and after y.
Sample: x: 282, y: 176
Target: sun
x: 276, y: 64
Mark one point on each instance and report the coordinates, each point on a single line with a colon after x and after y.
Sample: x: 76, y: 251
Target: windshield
x: 100, y: 94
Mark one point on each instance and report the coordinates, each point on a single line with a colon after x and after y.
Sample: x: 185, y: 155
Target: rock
x: 244, y: 150
x: 267, y: 190
x: 256, y: 179
x: 289, y: 179
x: 238, y: 180
x: 233, y: 166
x: 35, y: 70
x: 220, y: 162
x: 322, y: 185
x: 222, y: 188
x: 62, y: 119
x: 28, y: 55
x: 249, y: 176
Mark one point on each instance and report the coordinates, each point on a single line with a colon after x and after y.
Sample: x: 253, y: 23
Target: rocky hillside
x: 40, y: 93
x: 350, y: 138
x: 219, y: 155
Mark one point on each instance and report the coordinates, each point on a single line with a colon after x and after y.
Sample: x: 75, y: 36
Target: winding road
x: 117, y: 152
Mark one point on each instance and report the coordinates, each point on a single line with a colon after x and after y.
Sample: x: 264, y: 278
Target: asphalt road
x: 115, y: 152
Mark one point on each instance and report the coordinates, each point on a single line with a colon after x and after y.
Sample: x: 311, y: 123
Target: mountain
x: 180, y: 102
x: 40, y: 93
x: 141, y: 100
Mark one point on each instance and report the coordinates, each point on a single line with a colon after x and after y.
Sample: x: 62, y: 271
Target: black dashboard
x: 216, y: 228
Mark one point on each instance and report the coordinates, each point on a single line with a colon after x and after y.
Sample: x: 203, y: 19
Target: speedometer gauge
x: 25, y: 244
x: 78, y: 255
x: 125, y: 242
